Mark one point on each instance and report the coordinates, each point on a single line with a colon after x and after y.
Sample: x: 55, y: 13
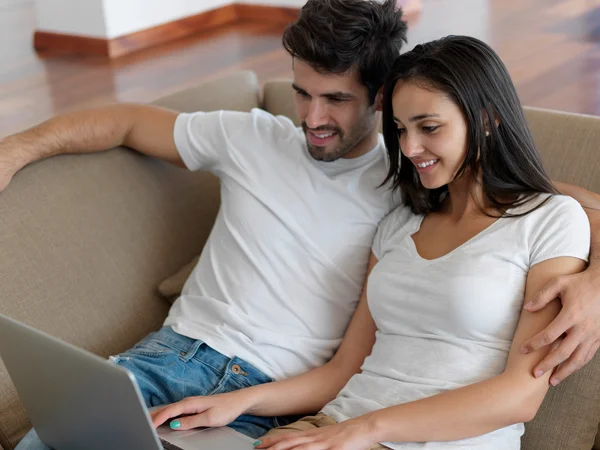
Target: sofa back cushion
x: 278, y: 99
x: 86, y: 239
x: 569, y: 145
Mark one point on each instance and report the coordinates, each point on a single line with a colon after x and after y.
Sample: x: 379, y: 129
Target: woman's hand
x: 212, y: 411
x: 355, y: 434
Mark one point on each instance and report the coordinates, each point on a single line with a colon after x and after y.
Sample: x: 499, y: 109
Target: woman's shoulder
x: 554, y: 200
x: 546, y: 206
x: 556, y: 226
x: 398, y: 217
x: 399, y: 220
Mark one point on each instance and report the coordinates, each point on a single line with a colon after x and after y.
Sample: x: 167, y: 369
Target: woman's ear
x: 379, y: 99
x: 487, y: 122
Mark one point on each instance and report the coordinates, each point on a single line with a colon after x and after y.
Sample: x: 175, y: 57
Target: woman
x: 481, y: 229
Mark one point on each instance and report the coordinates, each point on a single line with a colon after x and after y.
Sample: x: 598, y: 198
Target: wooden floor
x: 551, y: 47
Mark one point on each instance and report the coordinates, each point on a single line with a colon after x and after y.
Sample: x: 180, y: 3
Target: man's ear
x: 379, y: 99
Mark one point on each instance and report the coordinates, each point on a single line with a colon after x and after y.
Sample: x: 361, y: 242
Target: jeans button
x: 238, y: 370
x: 182, y: 354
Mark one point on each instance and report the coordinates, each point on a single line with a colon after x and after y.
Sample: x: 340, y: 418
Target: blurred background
x: 551, y: 48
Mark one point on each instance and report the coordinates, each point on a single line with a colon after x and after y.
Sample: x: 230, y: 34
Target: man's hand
x: 213, y: 411
x: 8, y: 164
x: 579, y: 319
x: 5, y: 176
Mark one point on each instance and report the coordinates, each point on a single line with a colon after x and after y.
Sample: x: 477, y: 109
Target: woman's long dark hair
x: 472, y: 75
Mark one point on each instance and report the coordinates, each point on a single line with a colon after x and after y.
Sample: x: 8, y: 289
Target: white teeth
x: 428, y: 163
x: 323, y: 136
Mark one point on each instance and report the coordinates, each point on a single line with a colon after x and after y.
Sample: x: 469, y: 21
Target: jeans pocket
x: 150, y: 346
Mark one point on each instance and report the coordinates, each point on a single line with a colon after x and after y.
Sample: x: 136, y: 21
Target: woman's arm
x: 580, y: 297
x: 303, y: 394
x: 511, y: 397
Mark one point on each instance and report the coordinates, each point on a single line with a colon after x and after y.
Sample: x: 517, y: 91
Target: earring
x: 487, y: 134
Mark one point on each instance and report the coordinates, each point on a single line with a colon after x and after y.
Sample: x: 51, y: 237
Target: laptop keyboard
x: 168, y: 446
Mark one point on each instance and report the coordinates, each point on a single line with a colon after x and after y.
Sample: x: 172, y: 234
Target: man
x: 281, y: 273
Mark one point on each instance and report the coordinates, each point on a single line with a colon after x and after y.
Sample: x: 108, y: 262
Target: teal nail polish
x: 257, y: 443
x: 175, y: 424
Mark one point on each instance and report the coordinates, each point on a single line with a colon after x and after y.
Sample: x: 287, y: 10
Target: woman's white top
x: 449, y: 322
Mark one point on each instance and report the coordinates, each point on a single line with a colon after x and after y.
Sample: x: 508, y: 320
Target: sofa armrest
x: 217, y: 94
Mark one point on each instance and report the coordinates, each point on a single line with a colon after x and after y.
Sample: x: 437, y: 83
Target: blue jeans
x: 169, y: 367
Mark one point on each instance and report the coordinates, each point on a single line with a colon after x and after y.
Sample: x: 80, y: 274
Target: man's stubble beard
x: 345, y: 145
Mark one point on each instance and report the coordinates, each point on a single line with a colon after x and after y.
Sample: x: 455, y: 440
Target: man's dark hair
x: 336, y: 36
x: 474, y: 77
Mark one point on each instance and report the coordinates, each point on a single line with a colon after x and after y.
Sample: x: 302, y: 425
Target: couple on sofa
x: 465, y: 244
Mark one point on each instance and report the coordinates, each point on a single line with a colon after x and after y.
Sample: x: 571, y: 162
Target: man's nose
x: 317, y: 115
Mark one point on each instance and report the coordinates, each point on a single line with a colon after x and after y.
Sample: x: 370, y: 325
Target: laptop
x: 77, y: 400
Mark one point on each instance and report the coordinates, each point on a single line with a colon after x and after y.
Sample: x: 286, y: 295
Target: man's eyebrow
x: 335, y: 94
x: 339, y: 94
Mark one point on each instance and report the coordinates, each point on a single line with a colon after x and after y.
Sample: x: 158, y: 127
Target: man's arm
x: 147, y: 129
x: 580, y: 296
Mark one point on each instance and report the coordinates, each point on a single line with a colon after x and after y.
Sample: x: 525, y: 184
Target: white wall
x: 287, y: 3
x: 128, y: 16
x: 112, y: 18
x: 441, y: 18
x: 77, y: 17
x: 109, y: 19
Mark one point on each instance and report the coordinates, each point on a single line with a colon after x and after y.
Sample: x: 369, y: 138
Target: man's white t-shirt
x: 282, y: 271
x: 449, y: 322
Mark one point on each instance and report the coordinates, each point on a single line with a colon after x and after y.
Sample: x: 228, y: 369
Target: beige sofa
x: 85, y: 240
